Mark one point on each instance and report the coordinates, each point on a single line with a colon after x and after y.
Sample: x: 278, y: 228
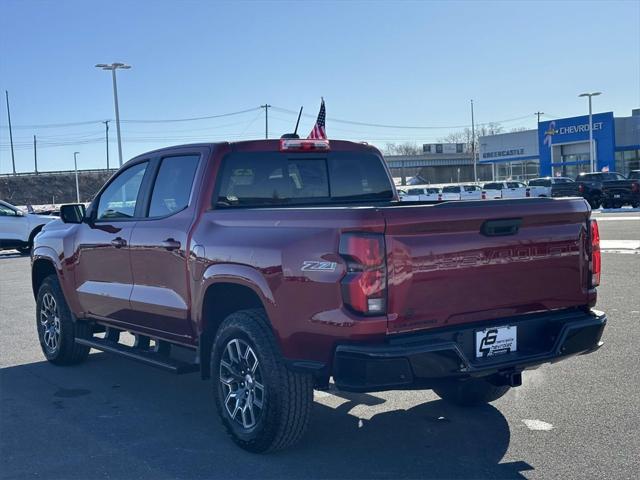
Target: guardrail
x: 57, y: 172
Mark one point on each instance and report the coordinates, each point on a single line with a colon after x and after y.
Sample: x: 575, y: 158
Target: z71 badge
x: 317, y: 266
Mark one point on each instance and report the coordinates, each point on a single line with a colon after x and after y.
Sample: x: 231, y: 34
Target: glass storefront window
x: 627, y: 160
x: 517, y: 170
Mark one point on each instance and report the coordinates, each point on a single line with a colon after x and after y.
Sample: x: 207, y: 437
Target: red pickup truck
x: 273, y: 266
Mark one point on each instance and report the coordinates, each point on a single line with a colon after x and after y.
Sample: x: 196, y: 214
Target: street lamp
x: 113, y: 67
x: 591, y: 147
x: 75, y: 165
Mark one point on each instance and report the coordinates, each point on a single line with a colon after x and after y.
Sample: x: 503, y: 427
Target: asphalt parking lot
x: 110, y: 418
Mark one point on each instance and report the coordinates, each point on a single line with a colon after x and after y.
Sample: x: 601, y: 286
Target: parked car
x: 462, y: 192
x: 541, y: 187
x: 506, y: 189
x: 421, y: 194
x: 277, y: 265
x: 621, y: 191
x: 18, y: 229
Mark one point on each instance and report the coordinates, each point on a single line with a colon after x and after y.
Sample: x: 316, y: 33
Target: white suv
x: 18, y: 229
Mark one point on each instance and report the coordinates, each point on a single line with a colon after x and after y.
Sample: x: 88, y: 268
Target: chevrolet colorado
x: 273, y: 266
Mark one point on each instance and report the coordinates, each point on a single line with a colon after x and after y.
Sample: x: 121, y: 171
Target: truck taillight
x: 635, y: 187
x: 595, y: 263
x: 484, y: 195
x: 527, y: 192
x: 303, y: 145
x: 581, y: 188
x: 364, y: 286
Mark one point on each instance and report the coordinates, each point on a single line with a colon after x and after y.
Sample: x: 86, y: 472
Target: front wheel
x: 470, y: 392
x: 263, y: 405
x: 57, y: 330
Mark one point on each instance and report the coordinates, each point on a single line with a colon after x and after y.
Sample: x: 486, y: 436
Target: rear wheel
x: 470, y: 392
x: 263, y: 405
x: 57, y: 331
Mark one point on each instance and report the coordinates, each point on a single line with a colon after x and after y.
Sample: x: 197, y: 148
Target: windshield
x: 277, y: 179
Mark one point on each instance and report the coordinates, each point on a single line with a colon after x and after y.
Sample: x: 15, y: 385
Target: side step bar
x: 147, y: 356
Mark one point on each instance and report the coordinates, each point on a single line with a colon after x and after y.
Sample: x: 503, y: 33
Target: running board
x: 149, y: 357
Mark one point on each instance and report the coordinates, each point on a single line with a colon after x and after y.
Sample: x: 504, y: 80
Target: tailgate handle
x: 500, y: 228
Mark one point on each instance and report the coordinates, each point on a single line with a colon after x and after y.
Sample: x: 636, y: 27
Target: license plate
x: 496, y: 341
x: 617, y: 195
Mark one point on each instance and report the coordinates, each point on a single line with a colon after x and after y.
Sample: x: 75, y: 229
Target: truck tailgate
x: 457, y: 263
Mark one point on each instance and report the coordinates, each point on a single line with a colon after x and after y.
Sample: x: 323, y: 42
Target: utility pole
x: 266, y: 119
x: 35, y: 154
x: 539, y: 114
x: 75, y: 164
x: 13, y: 158
x: 473, y: 145
x: 106, y: 134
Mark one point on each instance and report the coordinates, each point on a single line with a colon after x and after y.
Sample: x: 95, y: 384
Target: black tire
x: 470, y: 392
x: 56, y: 318
x: 286, y: 397
x: 595, y: 203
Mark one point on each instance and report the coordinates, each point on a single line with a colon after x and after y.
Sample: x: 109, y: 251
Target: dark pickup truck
x: 587, y: 186
x: 621, y: 191
x: 271, y: 267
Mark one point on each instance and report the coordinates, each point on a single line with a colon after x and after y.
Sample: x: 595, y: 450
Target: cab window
x: 172, y: 188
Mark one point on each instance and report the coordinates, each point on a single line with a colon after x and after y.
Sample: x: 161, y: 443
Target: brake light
x: 439, y: 197
x: 595, y: 265
x: 484, y: 195
x: 635, y: 187
x: 303, y: 145
x: 581, y: 188
x: 527, y: 192
x: 364, y: 287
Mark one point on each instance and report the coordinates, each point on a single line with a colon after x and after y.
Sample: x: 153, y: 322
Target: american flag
x: 318, y: 130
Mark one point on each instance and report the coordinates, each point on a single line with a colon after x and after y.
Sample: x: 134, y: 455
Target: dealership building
x: 561, y: 147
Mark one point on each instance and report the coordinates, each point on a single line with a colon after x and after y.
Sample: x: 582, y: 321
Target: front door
x: 103, y: 275
x: 159, y: 250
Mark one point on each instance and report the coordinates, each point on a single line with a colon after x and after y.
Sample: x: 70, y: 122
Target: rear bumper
x: 423, y: 360
x: 625, y: 196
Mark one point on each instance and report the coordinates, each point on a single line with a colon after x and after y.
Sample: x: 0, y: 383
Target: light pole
x: 75, y: 165
x: 113, y: 67
x: 591, y: 147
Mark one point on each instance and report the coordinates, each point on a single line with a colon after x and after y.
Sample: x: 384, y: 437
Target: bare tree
x: 407, y: 148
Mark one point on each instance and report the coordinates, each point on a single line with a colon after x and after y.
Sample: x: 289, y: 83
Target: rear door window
x: 493, y: 186
x: 451, y: 189
x: 172, y: 187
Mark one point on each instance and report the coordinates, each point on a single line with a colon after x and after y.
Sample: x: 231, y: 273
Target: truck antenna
x: 295, y: 132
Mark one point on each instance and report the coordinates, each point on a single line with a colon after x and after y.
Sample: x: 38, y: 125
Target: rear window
x: 451, y: 189
x: 540, y: 183
x: 277, y: 179
x: 492, y: 186
x: 635, y: 175
x: 471, y: 188
x: 600, y: 177
x: 416, y: 191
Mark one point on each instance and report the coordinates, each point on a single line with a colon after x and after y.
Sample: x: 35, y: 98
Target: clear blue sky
x: 398, y: 63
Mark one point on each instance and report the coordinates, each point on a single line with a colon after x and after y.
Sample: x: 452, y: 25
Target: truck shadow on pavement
x: 116, y: 419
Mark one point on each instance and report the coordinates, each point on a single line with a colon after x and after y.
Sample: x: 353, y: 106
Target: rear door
x: 160, y: 295
x: 514, y: 190
x: 493, y: 190
x: 455, y: 263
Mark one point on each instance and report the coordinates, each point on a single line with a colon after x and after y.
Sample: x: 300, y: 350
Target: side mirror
x: 19, y: 213
x: 72, y: 213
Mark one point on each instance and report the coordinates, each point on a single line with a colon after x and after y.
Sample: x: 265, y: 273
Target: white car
x: 506, y: 189
x: 18, y: 229
x: 461, y: 192
x: 420, y: 194
x: 541, y: 187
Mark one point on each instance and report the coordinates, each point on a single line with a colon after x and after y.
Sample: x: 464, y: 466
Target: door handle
x: 119, y: 242
x: 171, y: 244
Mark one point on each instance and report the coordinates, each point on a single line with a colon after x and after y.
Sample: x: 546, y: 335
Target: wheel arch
x: 223, y: 293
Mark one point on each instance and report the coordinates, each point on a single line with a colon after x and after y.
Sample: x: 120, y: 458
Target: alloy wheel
x: 50, y: 322
x: 242, y: 385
